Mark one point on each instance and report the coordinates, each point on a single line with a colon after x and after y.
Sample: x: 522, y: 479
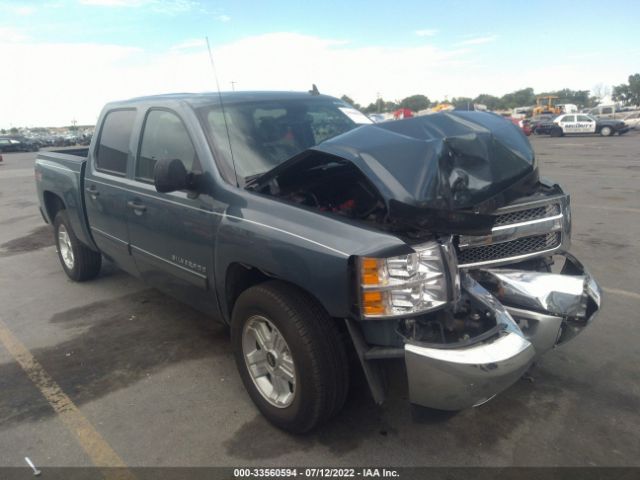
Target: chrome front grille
x: 514, y: 248
x: 518, y: 216
x: 520, y: 232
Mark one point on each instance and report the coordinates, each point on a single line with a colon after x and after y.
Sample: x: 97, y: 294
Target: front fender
x: 307, y: 249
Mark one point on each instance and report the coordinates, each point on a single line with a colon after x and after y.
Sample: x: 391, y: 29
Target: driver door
x: 171, y: 234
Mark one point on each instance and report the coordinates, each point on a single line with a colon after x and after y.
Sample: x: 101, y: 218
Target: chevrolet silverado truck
x: 319, y: 237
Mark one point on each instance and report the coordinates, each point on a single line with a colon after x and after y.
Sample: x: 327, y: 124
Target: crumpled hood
x: 446, y: 161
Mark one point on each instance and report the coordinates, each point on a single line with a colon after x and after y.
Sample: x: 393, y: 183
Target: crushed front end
x: 485, y: 284
x: 487, y: 305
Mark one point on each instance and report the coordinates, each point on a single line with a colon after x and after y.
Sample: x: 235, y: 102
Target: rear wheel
x: 606, y: 131
x: 290, y: 356
x: 79, y: 262
x: 556, y: 132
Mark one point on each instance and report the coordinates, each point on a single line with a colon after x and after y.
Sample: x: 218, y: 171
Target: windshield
x: 264, y: 134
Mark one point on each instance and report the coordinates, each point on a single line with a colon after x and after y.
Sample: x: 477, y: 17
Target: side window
x: 607, y: 110
x: 164, y: 137
x: 584, y: 118
x: 113, y: 148
x: 568, y: 118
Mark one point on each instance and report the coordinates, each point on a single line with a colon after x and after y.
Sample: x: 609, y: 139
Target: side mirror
x: 170, y: 176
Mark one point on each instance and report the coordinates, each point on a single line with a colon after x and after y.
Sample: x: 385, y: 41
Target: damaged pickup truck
x: 313, y: 233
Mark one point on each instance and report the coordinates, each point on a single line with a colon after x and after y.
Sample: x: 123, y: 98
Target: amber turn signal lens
x: 372, y: 303
x: 370, y: 271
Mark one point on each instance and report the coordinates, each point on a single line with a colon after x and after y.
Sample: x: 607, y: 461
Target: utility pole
x: 378, y: 102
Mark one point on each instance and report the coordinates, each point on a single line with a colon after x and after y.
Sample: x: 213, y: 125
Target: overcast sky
x: 63, y: 59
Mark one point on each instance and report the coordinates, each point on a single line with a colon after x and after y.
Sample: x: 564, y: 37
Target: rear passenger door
x: 105, y: 196
x: 171, y: 233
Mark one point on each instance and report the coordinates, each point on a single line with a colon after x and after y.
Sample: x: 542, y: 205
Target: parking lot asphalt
x: 156, y: 380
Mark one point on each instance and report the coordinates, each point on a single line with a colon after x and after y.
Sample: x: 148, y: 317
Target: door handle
x: 92, y: 191
x: 138, y: 207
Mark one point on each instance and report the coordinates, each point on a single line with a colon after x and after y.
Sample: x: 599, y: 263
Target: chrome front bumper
x: 534, y: 311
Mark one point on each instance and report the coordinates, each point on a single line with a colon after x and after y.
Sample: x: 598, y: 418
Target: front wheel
x: 606, y: 131
x: 78, y: 261
x: 290, y: 356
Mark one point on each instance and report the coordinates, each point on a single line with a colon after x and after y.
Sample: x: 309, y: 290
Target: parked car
x: 539, y: 124
x: 633, y: 120
x: 377, y: 117
x: 581, y: 124
x: 6, y: 145
x: 312, y: 232
x: 17, y: 144
x: 606, y: 111
x: 523, y: 124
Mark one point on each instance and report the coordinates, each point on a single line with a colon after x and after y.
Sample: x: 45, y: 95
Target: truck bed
x: 60, y: 179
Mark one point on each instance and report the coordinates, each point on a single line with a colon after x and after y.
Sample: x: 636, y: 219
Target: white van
x: 568, y: 107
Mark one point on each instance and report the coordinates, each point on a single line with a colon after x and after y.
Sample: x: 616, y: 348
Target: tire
x: 79, y: 262
x: 319, y: 382
x: 606, y: 131
x: 556, y: 132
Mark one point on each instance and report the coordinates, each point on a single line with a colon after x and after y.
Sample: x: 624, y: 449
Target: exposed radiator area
x: 521, y: 231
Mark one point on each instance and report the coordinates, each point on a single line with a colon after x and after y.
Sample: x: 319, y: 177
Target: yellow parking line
x: 100, y: 452
x: 624, y: 293
x: 603, y: 207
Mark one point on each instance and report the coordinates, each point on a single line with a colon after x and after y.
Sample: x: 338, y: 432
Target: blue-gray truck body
x: 468, y: 188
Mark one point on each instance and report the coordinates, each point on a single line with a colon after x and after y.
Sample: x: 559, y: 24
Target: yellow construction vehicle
x: 546, y: 104
x: 443, y: 107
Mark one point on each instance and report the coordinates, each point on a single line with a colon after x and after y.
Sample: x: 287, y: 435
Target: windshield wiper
x: 251, y: 180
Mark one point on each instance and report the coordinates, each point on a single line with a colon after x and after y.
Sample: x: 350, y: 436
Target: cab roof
x: 213, y: 98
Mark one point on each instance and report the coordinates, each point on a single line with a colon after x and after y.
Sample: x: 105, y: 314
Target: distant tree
x: 347, y: 99
x: 629, y: 94
x: 415, y: 103
x: 14, y: 131
x: 380, y: 107
x: 389, y: 106
x: 462, y: 103
x: 492, y: 103
x: 519, y: 98
x: 580, y: 98
x: 3, y: 131
x: 600, y: 91
x: 350, y: 101
x: 371, y: 108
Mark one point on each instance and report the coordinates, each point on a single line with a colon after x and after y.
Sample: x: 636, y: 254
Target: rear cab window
x: 112, y: 151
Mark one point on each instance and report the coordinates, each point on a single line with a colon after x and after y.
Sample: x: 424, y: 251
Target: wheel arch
x: 239, y: 277
x: 53, y: 203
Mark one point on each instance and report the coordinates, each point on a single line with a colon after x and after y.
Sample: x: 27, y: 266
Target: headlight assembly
x: 403, y: 285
